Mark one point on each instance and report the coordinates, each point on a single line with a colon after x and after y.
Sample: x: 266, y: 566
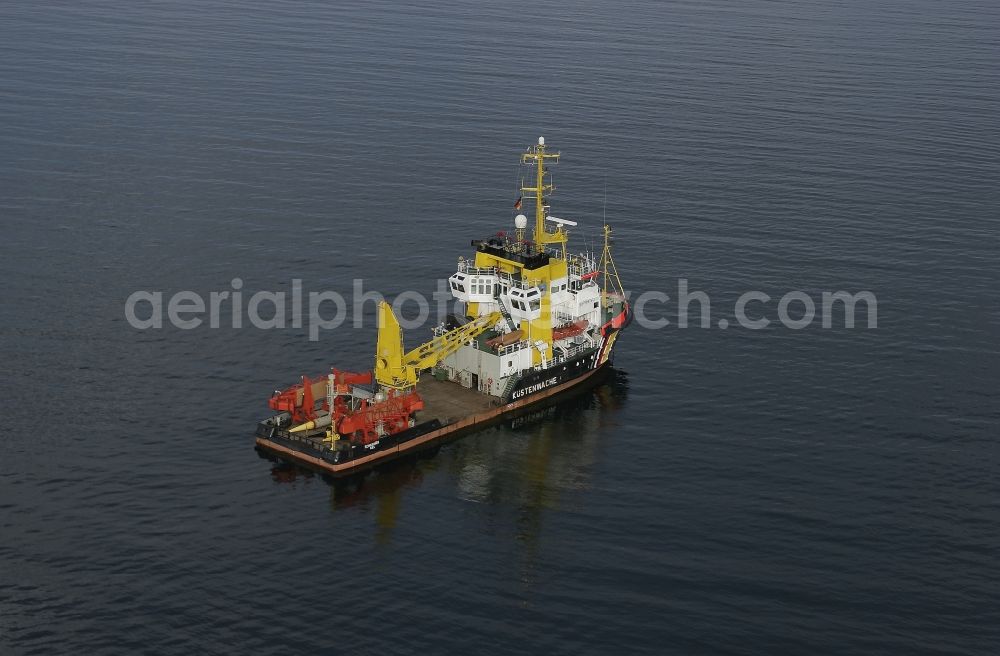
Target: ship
x: 538, y: 322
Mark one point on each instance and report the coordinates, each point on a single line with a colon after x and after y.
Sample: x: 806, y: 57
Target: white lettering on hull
x: 530, y: 389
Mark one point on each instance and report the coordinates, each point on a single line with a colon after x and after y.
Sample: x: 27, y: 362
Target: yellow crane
x: 397, y: 370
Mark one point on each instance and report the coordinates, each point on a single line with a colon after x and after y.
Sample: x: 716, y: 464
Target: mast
x: 537, y: 155
x: 609, y: 269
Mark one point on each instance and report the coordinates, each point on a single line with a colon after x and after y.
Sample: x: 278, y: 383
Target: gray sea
x: 728, y: 491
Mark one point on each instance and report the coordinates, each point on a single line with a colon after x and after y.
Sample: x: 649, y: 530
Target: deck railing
x: 513, y: 348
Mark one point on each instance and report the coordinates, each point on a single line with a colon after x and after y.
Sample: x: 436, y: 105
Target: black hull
x: 538, y: 381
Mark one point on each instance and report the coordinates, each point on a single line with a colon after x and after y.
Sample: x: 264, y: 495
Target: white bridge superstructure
x: 569, y: 300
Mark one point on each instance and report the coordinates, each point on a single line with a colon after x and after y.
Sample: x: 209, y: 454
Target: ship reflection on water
x: 524, y: 464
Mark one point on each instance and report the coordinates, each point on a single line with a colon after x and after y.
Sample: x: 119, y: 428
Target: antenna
x: 518, y: 182
x: 605, y: 198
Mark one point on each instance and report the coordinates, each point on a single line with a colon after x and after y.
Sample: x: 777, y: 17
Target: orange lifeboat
x: 569, y: 330
x: 505, y: 340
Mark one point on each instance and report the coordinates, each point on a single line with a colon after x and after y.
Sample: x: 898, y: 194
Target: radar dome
x: 520, y: 222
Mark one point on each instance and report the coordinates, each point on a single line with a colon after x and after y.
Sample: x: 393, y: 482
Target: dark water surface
x: 732, y: 492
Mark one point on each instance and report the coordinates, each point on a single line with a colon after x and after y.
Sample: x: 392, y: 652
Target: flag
x: 517, y: 203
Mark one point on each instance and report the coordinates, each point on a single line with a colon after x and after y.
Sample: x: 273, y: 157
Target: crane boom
x: 397, y: 370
